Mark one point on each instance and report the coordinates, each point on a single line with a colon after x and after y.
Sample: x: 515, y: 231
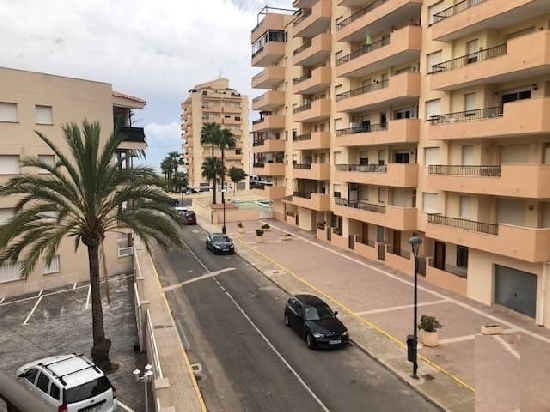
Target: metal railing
x: 367, y: 48
x: 302, y: 195
x: 462, y: 61
x: 300, y: 137
x: 259, y: 165
x: 465, y: 170
x: 467, y: 115
x: 358, y: 14
x: 369, y: 168
x: 154, y: 350
x: 298, y: 80
x: 362, y: 90
x: 305, y: 15
x: 362, y: 129
x: 307, y: 44
x: 466, y: 224
x: 457, y: 8
x: 359, y: 204
x: 306, y: 166
x: 299, y: 109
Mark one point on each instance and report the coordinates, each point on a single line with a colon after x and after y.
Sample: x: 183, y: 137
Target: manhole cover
x: 428, y: 377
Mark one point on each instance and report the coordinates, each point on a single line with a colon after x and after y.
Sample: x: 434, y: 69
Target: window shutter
x: 431, y: 156
x: 433, y: 108
x: 514, y: 153
x: 8, y: 112
x: 43, y: 115
x: 9, y: 165
x: 430, y: 202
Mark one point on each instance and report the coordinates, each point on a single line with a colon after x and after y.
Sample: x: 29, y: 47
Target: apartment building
x: 43, y: 102
x: 214, y: 101
x: 394, y: 118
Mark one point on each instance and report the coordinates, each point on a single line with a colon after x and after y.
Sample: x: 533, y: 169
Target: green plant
x: 265, y: 226
x: 429, y: 323
x: 259, y: 232
x: 240, y: 225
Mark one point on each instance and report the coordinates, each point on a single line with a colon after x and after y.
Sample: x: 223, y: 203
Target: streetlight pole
x: 224, y: 230
x: 146, y: 378
x: 412, y: 340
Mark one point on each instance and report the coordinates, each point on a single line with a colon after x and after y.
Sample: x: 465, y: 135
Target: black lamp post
x: 223, y: 202
x: 412, y: 340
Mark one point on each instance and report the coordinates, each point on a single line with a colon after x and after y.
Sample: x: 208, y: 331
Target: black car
x: 219, y: 243
x: 313, y: 320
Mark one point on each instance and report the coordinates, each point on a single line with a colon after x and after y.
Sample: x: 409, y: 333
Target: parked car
x: 189, y: 217
x: 191, y: 190
x: 68, y: 383
x: 313, y: 320
x: 219, y: 243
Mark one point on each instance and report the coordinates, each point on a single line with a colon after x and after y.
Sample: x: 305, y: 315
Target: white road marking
x: 26, y: 321
x: 74, y: 285
x: 279, y: 355
x: 126, y: 408
x: 463, y: 305
x: 458, y: 339
x: 40, y: 293
x: 507, y: 346
x: 87, y: 304
x: 192, y: 280
x: 388, y: 309
x: 2, y: 300
x: 182, y: 334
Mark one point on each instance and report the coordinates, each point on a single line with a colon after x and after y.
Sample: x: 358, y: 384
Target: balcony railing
x: 302, y: 195
x: 371, y: 168
x: 133, y: 134
x: 489, y: 228
x: 305, y: 14
x: 362, y: 90
x: 299, y: 109
x: 359, y: 204
x: 302, y: 137
x: 307, y: 43
x: 362, y: 129
x: 467, y: 115
x: 462, y: 61
x: 367, y: 48
x: 298, y: 80
x: 464, y: 170
x: 303, y: 166
x: 261, y: 141
x: 457, y: 8
x: 359, y: 14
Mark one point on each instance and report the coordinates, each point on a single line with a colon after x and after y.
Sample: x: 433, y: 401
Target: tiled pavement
x: 466, y: 372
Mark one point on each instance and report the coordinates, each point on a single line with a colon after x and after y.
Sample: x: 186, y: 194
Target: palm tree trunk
x: 214, y: 190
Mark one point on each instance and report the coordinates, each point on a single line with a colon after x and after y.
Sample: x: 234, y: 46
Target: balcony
x: 529, y: 181
x: 515, y: 119
x: 271, y: 21
x: 311, y: 171
x: 314, y: 201
x: 395, y: 131
x: 270, y: 122
x: 528, y: 244
x: 269, y: 54
x: 351, y: 3
x: 268, y: 77
x: 470, y: 16
x: 311, y: 141
x: 269, y: 100
x: 270, y: 192
x: 392, y: 175
x: 303, y: 4
x: 134, y: 138
x: 313, y: 82
x: 313, y: 111
x: 401, y: 46
x: 268, y: 145
x: 521, y: 58
x: 393, y: 217
x: 314, y: 51
x: 376, y: 17
x: 268, y: 169
x: 313, y: 20
x: 401, y: 89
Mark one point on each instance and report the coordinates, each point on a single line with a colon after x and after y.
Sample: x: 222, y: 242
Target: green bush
x: 259, y: 232
x: 429, y: 323
x: 265, y: 226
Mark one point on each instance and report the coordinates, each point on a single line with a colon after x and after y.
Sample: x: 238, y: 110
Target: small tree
x: 236, y: 175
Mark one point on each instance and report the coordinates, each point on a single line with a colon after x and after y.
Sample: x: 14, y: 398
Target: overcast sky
x: 156, y: 50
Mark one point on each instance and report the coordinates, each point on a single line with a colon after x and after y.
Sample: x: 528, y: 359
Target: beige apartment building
x: 384, y: 119
x: 32, y: 101
x: 214, y: 101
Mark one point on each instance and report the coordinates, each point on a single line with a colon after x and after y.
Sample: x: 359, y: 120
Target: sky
x: 156, y: 50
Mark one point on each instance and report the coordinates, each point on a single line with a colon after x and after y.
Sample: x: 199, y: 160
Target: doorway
x: 440, y: 251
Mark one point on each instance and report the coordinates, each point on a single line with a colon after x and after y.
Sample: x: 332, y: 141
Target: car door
x: 208, y: 242
x: 299, y: 323
x: 43, y: 384
x: 291, y: 312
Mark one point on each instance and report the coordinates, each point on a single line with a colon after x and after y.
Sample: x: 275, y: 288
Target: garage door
x: 516, y: 290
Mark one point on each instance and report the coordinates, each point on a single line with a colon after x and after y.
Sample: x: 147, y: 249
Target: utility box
x: 411, y: 348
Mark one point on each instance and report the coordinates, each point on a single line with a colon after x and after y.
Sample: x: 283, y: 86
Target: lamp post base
x: 224, y: 229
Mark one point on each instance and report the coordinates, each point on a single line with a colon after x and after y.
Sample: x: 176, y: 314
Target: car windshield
x: 220, y: 238
x: 318, y: 312
x: 88, y: 390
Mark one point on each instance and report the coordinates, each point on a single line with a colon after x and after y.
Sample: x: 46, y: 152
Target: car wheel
x: 309, y: 341
x: 287, y: 322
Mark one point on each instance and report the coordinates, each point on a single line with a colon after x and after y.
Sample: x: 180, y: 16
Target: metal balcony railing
x: 304, y: 166
x: 467, y: 115
x: 438, y: 219
x: 369, y: 168
x: 362, y: 129
x: 298, y: 80
x: 358, y: 204
x: 301, y: 137
x: 305, y: 14
x: 307, y: 44
x: 367, y: 48
x: 302, y: 195
x: 359, y: 14
x: 299, y: 109
x: 362, y: 90
x: 465, y: 170
x: 457, y: 8
x: 462, y: 61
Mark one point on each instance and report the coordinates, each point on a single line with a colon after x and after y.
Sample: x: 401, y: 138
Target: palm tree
x: 174, y: 161
x: 210, y: 133
x: 84, y: 190
x: 211, y: 168
x: 225, y: 141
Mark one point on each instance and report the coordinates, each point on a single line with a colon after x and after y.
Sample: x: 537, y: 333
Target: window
x: 8, y: 112
x: 433, y: 109
x: 471, y: 47
x: 43, y: 383
x: 469, y: 104
x: 430, y: 202
x: 31, y: 374
x: 9, y: 165
x: 431, y: 156
x: 382, y: 194
x: 49, y: 160
x: 405, y: 113
x: 433, y: 62
x: 43, y: 115
x: 53, y: 267
x: 10, y: 272
x: 54, y: 391
x: 433, y: 10
x: 465, y: 207
x: 5, y: 215
x: 461, y: 256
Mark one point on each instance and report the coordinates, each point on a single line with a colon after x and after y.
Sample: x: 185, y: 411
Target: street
x: 230, y: 319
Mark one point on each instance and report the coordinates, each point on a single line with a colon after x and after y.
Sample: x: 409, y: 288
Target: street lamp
x: 412, y: 340
x: 146, y: 378
x: 223, y: 202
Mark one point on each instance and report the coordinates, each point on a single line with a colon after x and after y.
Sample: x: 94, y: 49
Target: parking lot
x: 58, y: 321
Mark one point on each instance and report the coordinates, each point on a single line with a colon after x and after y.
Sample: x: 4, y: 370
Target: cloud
x: 161, y: 139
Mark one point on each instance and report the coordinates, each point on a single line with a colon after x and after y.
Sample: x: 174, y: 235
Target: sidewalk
x: 466, y: 372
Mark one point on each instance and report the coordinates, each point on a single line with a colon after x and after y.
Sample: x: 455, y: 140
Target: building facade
x: 387, y: 119
x: 214, y: 101
x: 42, y: 102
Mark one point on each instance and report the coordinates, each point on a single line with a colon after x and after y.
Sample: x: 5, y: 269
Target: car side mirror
x: 335, y: 312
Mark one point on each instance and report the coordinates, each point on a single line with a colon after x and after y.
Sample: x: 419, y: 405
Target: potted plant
x: 286, y: 236
x: 428, y: 327
x: 265, y: 226
x: 259, y: 235
x: 241, y: 227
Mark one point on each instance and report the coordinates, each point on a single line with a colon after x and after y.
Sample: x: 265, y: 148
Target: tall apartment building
x: 214, y: 101
x: 32, y: 101
x: 388, y: 119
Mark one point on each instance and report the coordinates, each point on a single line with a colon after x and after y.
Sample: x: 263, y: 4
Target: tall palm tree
x: 210, y: 133
x: 174, y: 161
x: 84, y: 190
x: 211, y: 168
x: 225, y: 141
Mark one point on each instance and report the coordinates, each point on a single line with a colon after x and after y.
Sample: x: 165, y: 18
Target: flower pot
x: 286, y: 237
x: 241, y: 230
x: 259, y: 239
x: 491, y: 329
x: 430, y: 338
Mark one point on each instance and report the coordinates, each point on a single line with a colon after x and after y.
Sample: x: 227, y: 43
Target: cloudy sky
x: 156, y: 50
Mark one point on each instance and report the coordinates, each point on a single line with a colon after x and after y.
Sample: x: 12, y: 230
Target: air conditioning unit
x: 125, y: 251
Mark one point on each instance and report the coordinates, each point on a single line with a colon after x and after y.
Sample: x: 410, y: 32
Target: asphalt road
x: 230, y: 318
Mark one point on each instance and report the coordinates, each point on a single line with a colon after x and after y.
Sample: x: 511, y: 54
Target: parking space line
x: 457, y: 339
x: 127, y: 409
x: 87, y: 304
x: 388, y: 309
x: 2, y: 300
x: 26, y: 321
x: 74, y: 285
x: 507, y: 346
